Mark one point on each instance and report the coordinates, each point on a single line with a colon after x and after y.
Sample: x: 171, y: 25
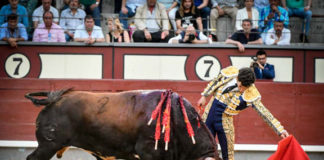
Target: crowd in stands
x: 173, y: 21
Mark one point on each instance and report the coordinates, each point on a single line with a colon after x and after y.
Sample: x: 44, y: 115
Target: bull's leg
x: 59, y: 153
x: 43, y: 152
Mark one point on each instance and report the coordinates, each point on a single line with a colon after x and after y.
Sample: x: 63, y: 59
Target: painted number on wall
x: 17, y: 65
x: 207, y: 67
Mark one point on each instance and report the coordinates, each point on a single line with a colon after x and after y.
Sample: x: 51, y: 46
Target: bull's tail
x: 52, y: 97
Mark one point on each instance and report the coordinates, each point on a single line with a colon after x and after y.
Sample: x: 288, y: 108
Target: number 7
x: 17, y: 68
x: 211, y: 64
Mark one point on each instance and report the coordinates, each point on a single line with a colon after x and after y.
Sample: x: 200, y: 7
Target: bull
x: 115, y: 124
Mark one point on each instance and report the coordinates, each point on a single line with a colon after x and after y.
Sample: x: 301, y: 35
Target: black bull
x: 115, y: 124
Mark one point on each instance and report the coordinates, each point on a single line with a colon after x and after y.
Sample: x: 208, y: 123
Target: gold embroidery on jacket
x: 228, y: 126
x: 268, y: 117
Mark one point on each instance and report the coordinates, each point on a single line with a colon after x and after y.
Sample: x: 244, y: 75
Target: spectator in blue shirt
x: 262, y: 69
x: 270, y: 14
x: 260, y: 4
x: 12, y: 31
x: 14, y: 7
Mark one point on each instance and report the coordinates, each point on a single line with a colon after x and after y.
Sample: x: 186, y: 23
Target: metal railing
x: 295, y: 25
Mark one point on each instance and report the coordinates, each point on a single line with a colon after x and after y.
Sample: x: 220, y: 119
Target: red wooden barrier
x: 298, y: 106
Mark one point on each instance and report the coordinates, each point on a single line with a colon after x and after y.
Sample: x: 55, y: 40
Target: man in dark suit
x: 262, y: 69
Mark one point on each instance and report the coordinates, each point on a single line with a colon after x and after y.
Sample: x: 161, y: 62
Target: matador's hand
x: 284, y: 134
x: 202, y: 101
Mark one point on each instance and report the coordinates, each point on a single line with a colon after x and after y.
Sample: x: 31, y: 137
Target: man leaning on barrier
x: 12, y: 31
x: 245, y: 36
x: 88, y: 32
x: 152, y: 23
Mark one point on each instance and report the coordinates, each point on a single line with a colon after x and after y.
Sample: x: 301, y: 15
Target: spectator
x: 89, y: 33
x: 272, y: 13
x: 92, y: 7
x: 128, y: 10
x: 278, y: 35
x: 171, y: 8
x: 245, y: 36
x: 202, y: 6
x: 30, y: 5
x: 48, y: 31
x: 116, y: 32
x: 220, y: 8
x: 152, y: 23
x: 12, y: 31
x: 248, y: 12
x: 71, y: 18
x: 190, y: 35
x: 14, y: 7
x: 262, y: 69
x: 260, y: 4
x: 297, y: 8
x: 188, y: 15
x: 39, y: 12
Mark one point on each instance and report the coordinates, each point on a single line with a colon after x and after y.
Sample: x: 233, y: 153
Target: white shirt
x: 38, y: 14
x: 151, y: 23
x: 82, y: 33
x: 69, y: 21
x: 284, y: 39
x: 243, y: 14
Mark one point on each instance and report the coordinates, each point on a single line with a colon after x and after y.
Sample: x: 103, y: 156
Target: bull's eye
x: 49, y: 132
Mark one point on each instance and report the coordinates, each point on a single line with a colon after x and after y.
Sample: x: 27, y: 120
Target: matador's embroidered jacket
x: 235, y: 101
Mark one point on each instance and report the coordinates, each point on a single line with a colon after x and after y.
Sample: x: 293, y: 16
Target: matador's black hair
x: 246, y: 76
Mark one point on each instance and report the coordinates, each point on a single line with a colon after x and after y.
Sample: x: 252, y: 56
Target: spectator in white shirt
x: 89, y: 33
x: 152, y: 23
x: 278, y: 35
x: 38, y: 13
x: 71, y: 18
x: 248, y: 12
